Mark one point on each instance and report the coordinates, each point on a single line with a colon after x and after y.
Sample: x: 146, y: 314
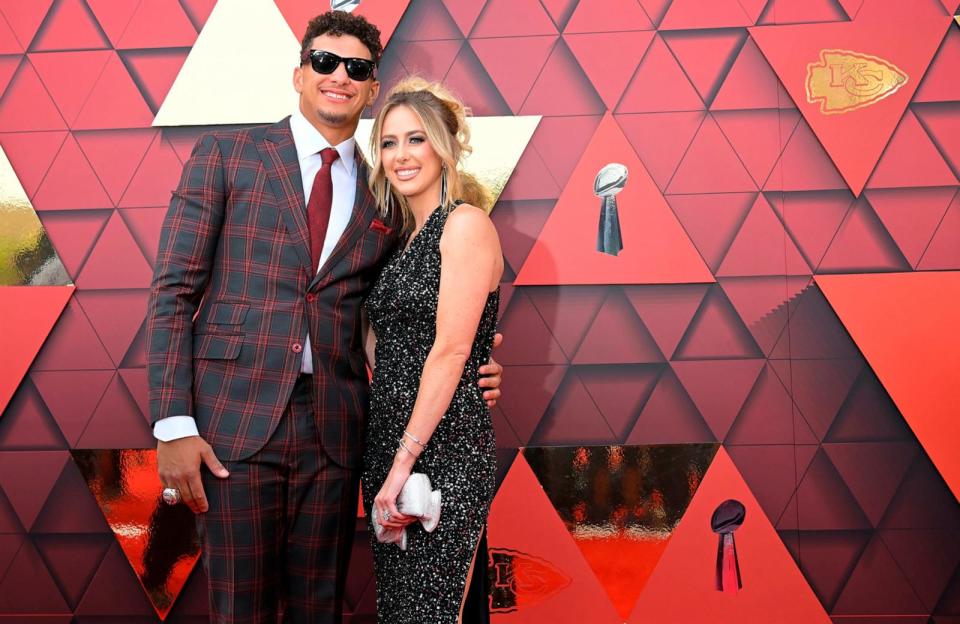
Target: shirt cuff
x: 174, y: 428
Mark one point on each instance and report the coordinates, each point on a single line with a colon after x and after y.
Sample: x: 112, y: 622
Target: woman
x: 432, y: 329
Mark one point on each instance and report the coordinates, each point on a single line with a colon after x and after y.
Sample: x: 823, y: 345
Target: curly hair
x: 339, y: 23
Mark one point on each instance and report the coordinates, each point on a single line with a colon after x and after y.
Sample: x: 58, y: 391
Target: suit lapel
x: 279, y: 156
x: 364, y: 210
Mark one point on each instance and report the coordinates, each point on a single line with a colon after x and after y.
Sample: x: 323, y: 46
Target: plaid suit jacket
x: 234, y: 294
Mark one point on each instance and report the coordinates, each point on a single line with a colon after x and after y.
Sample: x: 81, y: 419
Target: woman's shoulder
x: 467, y: 214
x: 468, y: 221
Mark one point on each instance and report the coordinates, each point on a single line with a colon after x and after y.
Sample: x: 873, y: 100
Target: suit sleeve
x: 188, y: 243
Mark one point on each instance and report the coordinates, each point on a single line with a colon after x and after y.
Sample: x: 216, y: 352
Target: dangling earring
x: 443, y: 186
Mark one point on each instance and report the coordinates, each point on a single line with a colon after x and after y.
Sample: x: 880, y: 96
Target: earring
x: 443, y: 186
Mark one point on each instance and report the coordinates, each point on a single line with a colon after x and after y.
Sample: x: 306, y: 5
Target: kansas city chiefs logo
x: 519, y: 580
x: 842, y: 81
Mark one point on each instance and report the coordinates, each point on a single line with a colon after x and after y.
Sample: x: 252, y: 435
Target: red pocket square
x: 380, y: 226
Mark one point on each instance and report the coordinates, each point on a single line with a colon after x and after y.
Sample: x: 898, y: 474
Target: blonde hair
x: 444, y: 122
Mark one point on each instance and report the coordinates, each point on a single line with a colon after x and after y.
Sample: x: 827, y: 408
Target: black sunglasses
x: 324, y: 62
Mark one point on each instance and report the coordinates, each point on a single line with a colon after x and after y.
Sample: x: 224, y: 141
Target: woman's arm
x: 472, y: 264
x: 369, y: 340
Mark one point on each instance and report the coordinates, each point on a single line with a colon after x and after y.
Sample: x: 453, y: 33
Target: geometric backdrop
x: 780, y: 327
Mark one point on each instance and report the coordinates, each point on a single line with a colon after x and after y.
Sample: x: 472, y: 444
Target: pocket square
x: 379, y: 226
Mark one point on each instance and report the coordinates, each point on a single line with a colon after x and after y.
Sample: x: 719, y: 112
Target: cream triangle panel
x: 240, y: 70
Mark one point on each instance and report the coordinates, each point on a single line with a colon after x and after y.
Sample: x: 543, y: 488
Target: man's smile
x: 336, y: 96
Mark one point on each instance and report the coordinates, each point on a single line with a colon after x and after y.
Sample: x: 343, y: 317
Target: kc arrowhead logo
x: 520, y: 580
x: 843, y: 81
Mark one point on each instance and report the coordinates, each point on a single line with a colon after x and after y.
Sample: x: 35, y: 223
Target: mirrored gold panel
x: 27, y: 257
x: 621, y: 504
x: 160, y: 541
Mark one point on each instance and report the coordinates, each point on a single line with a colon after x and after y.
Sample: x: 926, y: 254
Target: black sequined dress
x: 426, y: 582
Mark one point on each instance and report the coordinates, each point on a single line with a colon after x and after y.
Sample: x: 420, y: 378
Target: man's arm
x: 188, y: 242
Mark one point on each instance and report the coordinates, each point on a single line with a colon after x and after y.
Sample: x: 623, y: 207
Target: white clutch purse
x: 415, y: 499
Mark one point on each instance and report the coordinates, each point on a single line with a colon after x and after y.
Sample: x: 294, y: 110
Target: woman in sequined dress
x: 432, y: 328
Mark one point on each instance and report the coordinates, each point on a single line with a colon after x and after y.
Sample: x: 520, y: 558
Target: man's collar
x: 309, y: 141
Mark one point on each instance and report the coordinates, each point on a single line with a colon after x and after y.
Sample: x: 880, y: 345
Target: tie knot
x: 329, y: 155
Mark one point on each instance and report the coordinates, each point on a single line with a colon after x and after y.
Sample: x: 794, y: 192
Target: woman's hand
x: 386, y: 498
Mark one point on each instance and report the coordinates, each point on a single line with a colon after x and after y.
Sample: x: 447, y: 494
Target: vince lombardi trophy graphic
x: 609, y: 181
x: 344, y: 5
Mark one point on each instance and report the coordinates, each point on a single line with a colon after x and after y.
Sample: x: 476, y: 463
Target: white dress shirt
x: 309, y: 142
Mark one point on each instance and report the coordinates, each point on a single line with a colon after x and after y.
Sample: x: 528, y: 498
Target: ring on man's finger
x: 171, y: 496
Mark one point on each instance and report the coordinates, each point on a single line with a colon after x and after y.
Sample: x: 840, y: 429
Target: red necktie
x: 318, y: 208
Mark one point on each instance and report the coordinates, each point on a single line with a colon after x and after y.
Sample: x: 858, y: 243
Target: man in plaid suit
x: 271, y: 242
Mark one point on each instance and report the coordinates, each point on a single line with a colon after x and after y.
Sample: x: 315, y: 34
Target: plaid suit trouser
x: 277, y: 537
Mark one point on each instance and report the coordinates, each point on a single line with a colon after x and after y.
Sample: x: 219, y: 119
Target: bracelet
x: 412, y: 437
x: 404, y: 446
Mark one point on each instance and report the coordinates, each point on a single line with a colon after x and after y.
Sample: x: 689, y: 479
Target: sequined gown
x: 425, y: 583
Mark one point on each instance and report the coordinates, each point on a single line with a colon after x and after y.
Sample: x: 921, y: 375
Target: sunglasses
x: 324, y: 62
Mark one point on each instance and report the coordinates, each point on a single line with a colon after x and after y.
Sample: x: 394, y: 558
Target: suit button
x: 297, y: 347
x: 311, y: 298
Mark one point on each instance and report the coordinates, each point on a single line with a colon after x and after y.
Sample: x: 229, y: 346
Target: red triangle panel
x: 656, y: 250
x: 28, y: 313
x: 905, y: 326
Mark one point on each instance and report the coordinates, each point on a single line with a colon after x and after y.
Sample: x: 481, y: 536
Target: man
x: 269, y: 247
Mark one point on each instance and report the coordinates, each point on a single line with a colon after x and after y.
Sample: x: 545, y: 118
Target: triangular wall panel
x: 706, y: 56
x: 26, y: 104
x: 131, y: 499
x: 28, y: 496
x: 912, y: 216
x: 597, y: 16
x: 28, y: 313
x: 70, y: 25
x: 674, y: 91
x: 943, y: 252
x: 562, y: 88
x: 25, y: 18
x: 70, y: 90
x: 855, y: 132
x: 28, y: 425
x: 154, y: 71
x: 609, y: 539
x: 903, y: 323
x: 541, y: 574
x: 656, y: 250
x: 682, y: 588
x: 499, y: 55
x: 209, y: 92
x: 593, y: 52
x: 506, y: 18
x: 71, y: 183
x: 911, y: 159
x: 661, y: 139
x: 158, y: 24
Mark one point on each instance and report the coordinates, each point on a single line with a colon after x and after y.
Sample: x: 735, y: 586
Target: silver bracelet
x: 412, y: 437
x: 404, y: 446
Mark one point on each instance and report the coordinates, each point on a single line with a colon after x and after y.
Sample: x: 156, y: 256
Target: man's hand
x: 491, y: 376
x: 178, y: 463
